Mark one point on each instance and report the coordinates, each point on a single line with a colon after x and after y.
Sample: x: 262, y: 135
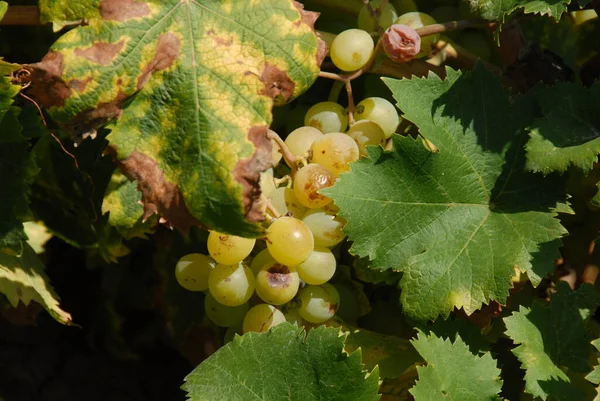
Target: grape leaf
x: 283, y: 364
x: 453, y: 372
x: 498, y: 10
x: 569, y: 131
x: 192, y: 84
x: 22, y: 278
x: 594, y: 375
x: 459, y: 221
x: 552, y: 337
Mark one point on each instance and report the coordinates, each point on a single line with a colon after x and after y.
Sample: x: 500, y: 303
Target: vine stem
x: 289, y: 157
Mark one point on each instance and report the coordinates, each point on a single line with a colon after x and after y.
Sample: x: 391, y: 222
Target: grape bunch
x: 255, y: 284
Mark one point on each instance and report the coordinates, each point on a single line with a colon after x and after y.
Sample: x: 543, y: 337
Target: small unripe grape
x: 335, y: 151
x: 261, y: 318
x: 277, y: 284
x: 307, y: 183
x: 387, y: 16
x: 229, y: 249
x: 401, y: 43
x: 289, y: 241
x: 192, y: 271
x: 351, y: 49
x: 418, y: 20
x: 327, y: 117
x: 231, y: 285
x: 381, y: 112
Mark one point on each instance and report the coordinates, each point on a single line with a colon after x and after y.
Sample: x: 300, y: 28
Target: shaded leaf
x: 459, y: 221
x: 594, y: 375
x: 552, y: 337
x: 283, y: 364
x: 453, y: 372
x: 205, y: 75
x: 22, y: 279
x: 568, y: 134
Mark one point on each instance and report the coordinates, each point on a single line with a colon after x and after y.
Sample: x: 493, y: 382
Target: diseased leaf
x: 283, y: 364
x: 205, y: 75
x: 552, y: 338
x: 453, y: 372
x: 568, y: 134
x: 22, y: 279
x: 456, y: 222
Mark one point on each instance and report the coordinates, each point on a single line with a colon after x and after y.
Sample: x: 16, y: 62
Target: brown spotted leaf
x: 188, y: 87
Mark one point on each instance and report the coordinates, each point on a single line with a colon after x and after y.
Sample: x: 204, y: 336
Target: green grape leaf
x: 453, y: 372
x: 283, y: 364
x: 125, y: 213
x: 457, y: 222
x: 552, y: 337
x: 498, y: 10
x: 393, y: 355
x: 594, y: 375
x: 22, y: 278
x: 188, y: 87
x: 569, y: 131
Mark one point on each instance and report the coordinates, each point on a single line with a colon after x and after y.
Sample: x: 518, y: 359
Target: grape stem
x: 269, y: 206
x: 434, y: 29
x: 289, y: 157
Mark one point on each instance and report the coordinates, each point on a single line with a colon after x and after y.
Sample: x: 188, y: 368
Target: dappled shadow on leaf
x: 560, y: 390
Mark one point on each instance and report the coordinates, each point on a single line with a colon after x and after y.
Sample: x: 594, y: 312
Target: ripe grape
x: 277, y: 284
x: 276, y: 154
x: 307, y: 183
x: 300, y: 139
x: 192, y: 271
x: 229, y: 249
x: 351, y: 49
x: 284, y: 201
x: 318, y: 303
x: 327, y: 228
x: 289, y: 241
x: 261, y: 259
x: 364, y: 133
x: 381, y: 112
x: 476, y: 42
x: 387, y: 16
x: 327, y: 117
x: 231, y: 285
x: 319, y: 268
x: 418, y: 20
x: 267, y: 186
x: 221, y: 315
x: 261, y: 318
x: 335, y: 151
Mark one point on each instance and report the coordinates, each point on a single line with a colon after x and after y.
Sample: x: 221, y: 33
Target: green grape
x: 387, y: 16
x: 300, y: 139
x: 267, y: 186
x: 365, y: 133
x: 476, y: 42
x: 277, y: 284
x: 284, y: 201
x: 289, y: 241
x: 327, y: 228
x: 445, y: 14
x: 292, y: 316
x: 192, y: 271
x: 319, y: 267
x: 276, y: 154
x: 327, y: 117
x: 351, y: 49
x: 224, y: 316
x: 261, y: 259
x: 307, y: 183
x: 229, y: 249
x: 231, y: 285
x: 381, y: 112
x: 261, y: 318
x: 417, y: 20
x: 318, y: 303
x: 335, y: 151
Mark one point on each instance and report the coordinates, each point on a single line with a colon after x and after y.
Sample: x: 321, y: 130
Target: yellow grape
x: 229, y: 249
x: 192, y: 271
x: 300, y: 139
x: 231, y: 285
x: 380, y: 111
x: 284, y: 201
x: 327, y: 117
x: 327, y: 228
x: 387, y: 16
x: 261, y: 318
x: 319, y: 268
x: 307, y: 183
x: 335, y: 151
x: 351, y: 49
x: 289, y: 241
x: 366, y: 133
x: 261, y: 259
x: 318, y: 303
x: 277, y: 284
